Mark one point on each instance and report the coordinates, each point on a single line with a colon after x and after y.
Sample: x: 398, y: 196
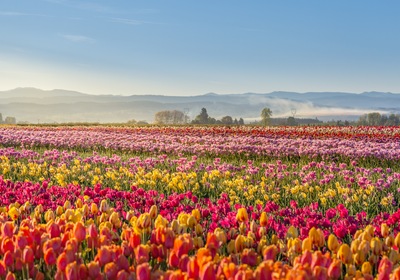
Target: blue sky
x: 193, y: 47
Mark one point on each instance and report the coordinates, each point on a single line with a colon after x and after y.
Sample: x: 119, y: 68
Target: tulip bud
x: 389, y: 240
x: 175, y: 226
x: 253, y: 227
x: 242, y: 215
x: 344, y: 254
x: 59, y: 210
x: 143, y: 272
x: 79, y: 231
x: 78, y: 203
x: 292, y: 232
x: 13, y: 213
x: 153, y: 212
x: 7, y: 229
x: 67, y: 204
x: 385, y: 230
x: 263, y: 219
x: 385, y: 268
x: 199, y: 229
x: 366, y: 268
x: 306, y: 245
x: 376, y: 246
x: 239, y: 243
x: 270, y: 252
x: 50, y: 256
x: 94, y: 209
x: 104, y: 207
x: 191, y: 222
x: 114, y: 220
x: 49, y: 215
x: 397, y: 240
x: 393, y: 256
x: 351, y: 270
x: 333, y: 243
x: 335, y: 269
x: 196, y: 213
x: 231, y: 247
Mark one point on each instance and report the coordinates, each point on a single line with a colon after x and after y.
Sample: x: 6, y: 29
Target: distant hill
x: 36, y: 105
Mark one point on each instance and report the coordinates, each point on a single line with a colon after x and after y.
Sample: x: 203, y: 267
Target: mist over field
x: 38, y: 106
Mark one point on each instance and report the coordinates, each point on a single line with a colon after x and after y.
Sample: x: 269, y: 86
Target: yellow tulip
x: 366, y: 268
x: 344, y: 254
x: 242, y: 215
x: 333, y: 243
x: 385, y: 230
x: 13, y: 213
x: 263, y: 219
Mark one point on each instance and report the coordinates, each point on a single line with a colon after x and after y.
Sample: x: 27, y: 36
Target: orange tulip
x: 207, y: 272
x: 173, y: 259
x: 110, y: 270
x: 143, y: 272
x: 134, y: 240
x: 264, y: 271
x: 79, y: 231
x: 320, y: 273
x: 103, y: 256
x: 94, y: 269
x: 203, y: 256
x: 50, y: 256
x: 10, y: 276
x: 270, y: 252
x: 71, y: 271
x: 53, y: 230
x: 123, y: 275
x: 193, y: 268
x: 335, y: 269
x: 249, y: 257
x: 142, y: 253
x: 7, y: 229
x: 229, y: 269
x: 7, y: 245
x: 27, y: 255
x: 8, y: 259
x: 62, y: 262
x: 385, y: 268
x: 3, y: 268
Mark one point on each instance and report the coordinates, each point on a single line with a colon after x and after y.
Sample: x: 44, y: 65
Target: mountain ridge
x: 59, y: 105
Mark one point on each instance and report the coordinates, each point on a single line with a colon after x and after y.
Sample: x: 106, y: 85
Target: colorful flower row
x: 99, y: 243
x: 278, y: 142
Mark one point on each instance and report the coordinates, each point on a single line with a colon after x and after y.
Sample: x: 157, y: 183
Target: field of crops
x: 199, y: 202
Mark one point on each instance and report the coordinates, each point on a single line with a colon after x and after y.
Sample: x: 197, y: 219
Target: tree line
x: 376, y: 118
x: 8, y: 120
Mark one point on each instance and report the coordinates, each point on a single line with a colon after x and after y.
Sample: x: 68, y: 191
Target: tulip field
x: 187, y: 202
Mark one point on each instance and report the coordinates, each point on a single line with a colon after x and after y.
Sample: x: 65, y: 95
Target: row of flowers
x: 272, y: 142
x: 251, y: 183
x: 20, y: 197
x: 98, y: 242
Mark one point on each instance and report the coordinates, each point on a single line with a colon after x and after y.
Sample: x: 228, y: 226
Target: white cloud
x: 78, y: 38
x: 19, y: 14
x: 127, y: 21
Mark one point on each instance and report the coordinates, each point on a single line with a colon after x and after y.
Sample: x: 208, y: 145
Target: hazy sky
x: 192, y: 47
